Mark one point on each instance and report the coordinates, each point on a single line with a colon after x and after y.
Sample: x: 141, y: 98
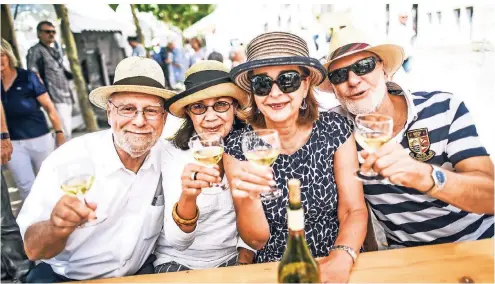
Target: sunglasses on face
x: 360, y: 68
x: 49, y: 31
x: 287, y: 82
x: 199, y: 108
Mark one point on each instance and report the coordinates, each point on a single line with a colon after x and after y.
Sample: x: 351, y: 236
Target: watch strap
x: 5, y: 135
x: 347, y: 249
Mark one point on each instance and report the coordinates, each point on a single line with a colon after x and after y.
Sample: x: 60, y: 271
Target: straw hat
x: 277, y: 49
x: 204, y: 80
x: 133, y: 74
x: 351, y: 40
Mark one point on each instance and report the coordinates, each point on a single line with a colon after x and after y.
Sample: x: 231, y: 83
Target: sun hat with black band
x: 133, y: 74
x: 351, y: 40
x: 204, y: 80
x: 277, y: 49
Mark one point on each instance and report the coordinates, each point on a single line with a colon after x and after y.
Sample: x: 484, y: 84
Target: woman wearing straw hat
x: 316, y: 148
x: 200, y: 228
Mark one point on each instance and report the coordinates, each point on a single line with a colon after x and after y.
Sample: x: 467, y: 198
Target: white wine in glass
x: 78, y: 185
x: 372, y: 132
x: 208, y: 149
x: 262, y: 147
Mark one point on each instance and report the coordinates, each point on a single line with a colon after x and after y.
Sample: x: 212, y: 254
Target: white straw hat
x: 133, y: 74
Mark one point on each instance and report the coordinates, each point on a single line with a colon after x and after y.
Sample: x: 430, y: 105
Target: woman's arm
x: 352, y: 214
x: 49, y: 107
x: 246, y: 181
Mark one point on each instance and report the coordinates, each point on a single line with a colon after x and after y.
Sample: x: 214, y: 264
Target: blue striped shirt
x: 441, y: 131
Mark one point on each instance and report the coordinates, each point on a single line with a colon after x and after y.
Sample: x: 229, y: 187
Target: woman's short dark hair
x: 254, y: 117
x: 186, y: 131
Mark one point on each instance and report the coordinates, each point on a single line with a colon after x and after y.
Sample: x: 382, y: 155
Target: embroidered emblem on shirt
x: 419, y: 144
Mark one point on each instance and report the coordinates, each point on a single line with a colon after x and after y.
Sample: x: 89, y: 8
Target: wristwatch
x: 5, y: 136
x: 347, y: 249
x: 439, y: 180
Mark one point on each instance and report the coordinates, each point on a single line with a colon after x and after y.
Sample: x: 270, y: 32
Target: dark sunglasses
x: 199, y: 108
x: 287, y: 82
x: 49, y: 31
x: 360, y: 68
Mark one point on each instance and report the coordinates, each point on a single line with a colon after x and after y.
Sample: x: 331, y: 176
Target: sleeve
x: 44, y: 195
x: 32, y: 59
x: 233, y: 145
x: 38, y: 87
x: 242, y: 244
x: 463, y: 141
x: 340, y: 127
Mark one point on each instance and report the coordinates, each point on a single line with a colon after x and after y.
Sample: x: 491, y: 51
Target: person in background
x: 23, y: 95
x: 200, y: 226
x: 160, y: 56
x: 113, y: 232
x: 402, y: 35
x: 177, y: 62
x: 217, y: 56
x: 47, y: 63
x: 15, y: 263
x: 439, y: 177
x: 137, y: 47
x: 238, y: 56
x: 318, y: 149
x: 199, y: 52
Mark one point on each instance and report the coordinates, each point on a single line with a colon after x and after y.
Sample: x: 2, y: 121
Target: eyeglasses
x: 149, y: 112
x: 360, y: 68
x: 287, y: 82
x: 199, y: 108
x: 49, y: 31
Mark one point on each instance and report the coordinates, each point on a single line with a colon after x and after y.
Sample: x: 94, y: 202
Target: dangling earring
x: 304, y: 105
x: 258, y: 111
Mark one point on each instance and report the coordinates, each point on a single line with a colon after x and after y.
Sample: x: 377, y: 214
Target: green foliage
x: 179, y: 15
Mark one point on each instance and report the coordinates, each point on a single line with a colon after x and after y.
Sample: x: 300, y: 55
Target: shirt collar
x: 108, y: 161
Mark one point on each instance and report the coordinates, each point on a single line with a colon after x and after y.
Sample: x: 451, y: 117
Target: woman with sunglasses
x: 318, y: 149
x: 200, y: 224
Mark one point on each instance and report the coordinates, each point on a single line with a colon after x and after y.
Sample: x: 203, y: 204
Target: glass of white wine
x: 262, y: 147
x: 208, y: 150
x: 372, y: 132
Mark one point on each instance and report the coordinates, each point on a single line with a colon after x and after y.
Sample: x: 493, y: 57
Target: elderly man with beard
x: 112, y: 230
x: 438, y: 179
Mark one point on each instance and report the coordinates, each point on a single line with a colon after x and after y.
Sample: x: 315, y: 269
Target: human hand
x: 336, y: 267
x: 204, y: 177
x: 245, y: 256
x: 59, y: 139
x: 70, y: 212
x: 249, y: 180
x: 6, y: 150
x: 393, y: 162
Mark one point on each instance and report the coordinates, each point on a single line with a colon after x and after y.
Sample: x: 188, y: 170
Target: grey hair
x: 7, y: 49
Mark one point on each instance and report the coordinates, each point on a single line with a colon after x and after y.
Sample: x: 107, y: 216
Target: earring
x: 304, y: 105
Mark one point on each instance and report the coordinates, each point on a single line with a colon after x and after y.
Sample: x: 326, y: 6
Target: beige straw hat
x: 277, y: 49
x: 350, y: 40
x: 204, y: 80
x: 133, y: 74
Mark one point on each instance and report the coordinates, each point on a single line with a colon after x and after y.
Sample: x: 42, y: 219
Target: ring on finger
x: 193, y: 175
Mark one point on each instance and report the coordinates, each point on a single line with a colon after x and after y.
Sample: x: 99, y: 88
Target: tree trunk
x: 8, y: 32
x: 82, y: 91
x: 139, y: 32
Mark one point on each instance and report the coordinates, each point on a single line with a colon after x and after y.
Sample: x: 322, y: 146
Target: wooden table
x: 460, y: 262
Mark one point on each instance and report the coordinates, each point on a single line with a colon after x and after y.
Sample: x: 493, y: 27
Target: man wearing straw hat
x: 111, y: 230
x: 438, y: 185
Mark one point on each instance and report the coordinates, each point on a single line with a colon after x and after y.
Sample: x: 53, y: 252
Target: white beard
x: 129, y: 146
x: 368, y: 104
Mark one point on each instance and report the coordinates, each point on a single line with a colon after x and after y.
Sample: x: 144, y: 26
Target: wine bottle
x: 297, y: 264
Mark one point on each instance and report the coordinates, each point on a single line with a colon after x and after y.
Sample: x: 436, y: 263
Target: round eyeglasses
x: 149, y: 112
x: 199, y: 108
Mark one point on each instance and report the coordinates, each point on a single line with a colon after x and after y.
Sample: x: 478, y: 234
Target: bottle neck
x: 296, y: 220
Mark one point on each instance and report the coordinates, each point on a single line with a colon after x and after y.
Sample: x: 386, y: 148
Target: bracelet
x: 347, y: 249
x: 59, y: 131
x: 5, y: 135
x: 184, y: 222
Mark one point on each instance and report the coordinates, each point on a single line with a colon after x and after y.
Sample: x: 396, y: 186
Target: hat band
x: 140, y: 81
x: 202, y: 77
x: 347, y: 48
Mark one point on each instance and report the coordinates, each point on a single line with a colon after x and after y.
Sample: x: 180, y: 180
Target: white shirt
x: 215, y: 239
x: 127, y: 225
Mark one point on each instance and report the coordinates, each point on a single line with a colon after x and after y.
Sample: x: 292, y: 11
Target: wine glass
x: 77, y: 178
x: 208, y: 150
x: 372, y: 132
x: 262, y: 147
